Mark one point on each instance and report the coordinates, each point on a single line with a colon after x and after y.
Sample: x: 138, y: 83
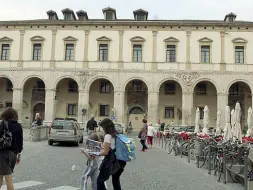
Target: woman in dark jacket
x: 10, y: 156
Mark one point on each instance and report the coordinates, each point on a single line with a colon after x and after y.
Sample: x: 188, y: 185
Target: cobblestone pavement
x: 49, y: 167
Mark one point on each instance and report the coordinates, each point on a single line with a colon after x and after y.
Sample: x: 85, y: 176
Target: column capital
x: 121, y: 32
x: 153, y: 93
x: 54, y: 31
x: 50, y: 90
x: 187, y: 93
x: 87, y: 32
x: 154, y: 32
x: 119, y: 91
x: 83, y: 91
x: 188, y: 33
x: 22, y: 32
x: 222, y: 94
x: 17, y: 89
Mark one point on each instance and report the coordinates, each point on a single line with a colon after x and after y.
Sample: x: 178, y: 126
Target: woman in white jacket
x: 150, y: 135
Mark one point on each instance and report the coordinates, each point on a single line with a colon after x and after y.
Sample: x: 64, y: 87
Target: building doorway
x: 39, y: 108
x: 136, y: 115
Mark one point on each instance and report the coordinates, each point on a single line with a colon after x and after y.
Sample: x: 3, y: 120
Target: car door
x: 78, y: 129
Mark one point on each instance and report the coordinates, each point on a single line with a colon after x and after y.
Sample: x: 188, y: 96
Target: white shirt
x: 150, y: 131
x: 109, y: 139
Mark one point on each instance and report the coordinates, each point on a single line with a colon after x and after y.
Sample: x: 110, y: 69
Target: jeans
x: 92, y: 172
x: 90, y: 132
x: 115, y: 178
x: 143, y: 145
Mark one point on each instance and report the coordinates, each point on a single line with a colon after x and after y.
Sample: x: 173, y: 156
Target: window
x: 201, y: 89
x: 104, y: 110
x: 5, y: 52
x: 205, y: 54
x: 137, y: 53
x: 40, y: 86
x: 201, y: 112
x: 169, y: 112
x: 170, y: 88
x: 69, y: 55
x: 234, y: 90
x: 105, y: 87
x: 68, y: 16
x: 8, y: 104
x: 136, y: 86
x: 36, y: 52
x: 239, y: 54
x: 73, y: 87
x: 72, y: 109
x: 103, y: 52
x: 171, y: 53
x: 9, y: 85
x: 109, y: 16
x: 140, y: 17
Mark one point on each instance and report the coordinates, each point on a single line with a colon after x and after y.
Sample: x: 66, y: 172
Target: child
x: 92, y: 169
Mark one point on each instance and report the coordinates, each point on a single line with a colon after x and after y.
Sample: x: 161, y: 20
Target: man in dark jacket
x: 91, y: 126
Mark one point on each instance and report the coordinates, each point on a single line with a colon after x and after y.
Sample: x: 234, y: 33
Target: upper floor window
x: 205, y: 54
x: 105, y: 87
x: 136, y: 86
x: 170, y: 88
x: 72, y: 109
x: 103, y: 52
x: 104, y: 110
x: 109, y: 15
x: 137, y: 53
x: 201, y: 89
x: 5, y: 52
x: 171, y: 53
x: 69, y: 54
x: 239, y: 54
x: 9, y: 85
x: 73, y: 86
x: 68, y: 16
x: 140, y: 17
x: 36, y: 51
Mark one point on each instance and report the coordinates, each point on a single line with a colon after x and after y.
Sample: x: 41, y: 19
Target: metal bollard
x: 189, y: 152
x: 197, y: 157
x: 162, y: 140
x: 224, y: 165
x: 245, y: 170
x: 209, y: 161
x: 159, y: 139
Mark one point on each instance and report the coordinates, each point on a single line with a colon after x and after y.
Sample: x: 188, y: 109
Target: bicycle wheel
x: 176, y: 147
x: 169, y: 145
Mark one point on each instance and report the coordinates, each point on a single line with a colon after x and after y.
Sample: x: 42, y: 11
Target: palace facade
x: 125, y: 69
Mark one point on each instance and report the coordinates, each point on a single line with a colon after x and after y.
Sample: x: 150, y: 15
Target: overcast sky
x: 158, y: 9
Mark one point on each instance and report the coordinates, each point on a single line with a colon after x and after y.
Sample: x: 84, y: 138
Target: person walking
x: 143, y: 135
x: 130, y: 128
x: 37, y: 121
x: 110, y: 166
x: 150, y: 135
x: 91, y: 126
x: 10, y: 155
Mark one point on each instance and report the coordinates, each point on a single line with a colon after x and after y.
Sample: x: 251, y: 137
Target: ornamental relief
x: 188, y: 78
x: 84, y: 76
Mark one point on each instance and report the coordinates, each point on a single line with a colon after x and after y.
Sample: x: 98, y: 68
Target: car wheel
x: 77, y: 143
x: 50, y: 142
x: 81, y: 140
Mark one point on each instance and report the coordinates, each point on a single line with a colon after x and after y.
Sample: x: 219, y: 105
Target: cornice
x: 172, y: 72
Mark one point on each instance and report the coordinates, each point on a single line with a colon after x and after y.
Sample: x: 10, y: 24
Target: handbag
x: 5, y: 136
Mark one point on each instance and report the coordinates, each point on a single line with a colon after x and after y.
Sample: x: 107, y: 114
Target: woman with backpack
x: 143, y: 135
x: 11, y: 146
x: 110, y: 166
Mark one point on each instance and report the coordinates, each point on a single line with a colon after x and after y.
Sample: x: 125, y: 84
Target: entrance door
x: 136, y: 116
x: 39, y: 108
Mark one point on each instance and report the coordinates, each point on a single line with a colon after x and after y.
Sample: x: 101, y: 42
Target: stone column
x: 222, y: 62
x: 86, y: 49
x: 50, y: 104
x: 83, y: 103
x: 119, y: 106
x: 52, y: 59
x: 17, y: 102
x: 21, y: 48
x: 188, y: 50
x: 121, y: 46
x: 153, y: 104
x: 154, y: 61
x: 187, y: 108
x: 222, y: 102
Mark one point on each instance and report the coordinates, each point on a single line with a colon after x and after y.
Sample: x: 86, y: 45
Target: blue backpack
x: 125, y: 148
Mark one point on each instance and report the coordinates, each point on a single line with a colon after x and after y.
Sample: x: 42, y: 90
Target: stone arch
x: 205, y: 80
x: 7, y: 77
x: 242, y: 81
x: 168, y: 79
x: 136, y: 78
x: 89, y: 83
x: 32, y: 76
x: 136, y: 106
x: 66, y: 77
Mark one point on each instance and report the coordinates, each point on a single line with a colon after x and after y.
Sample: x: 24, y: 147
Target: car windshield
x: 62, y: 125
